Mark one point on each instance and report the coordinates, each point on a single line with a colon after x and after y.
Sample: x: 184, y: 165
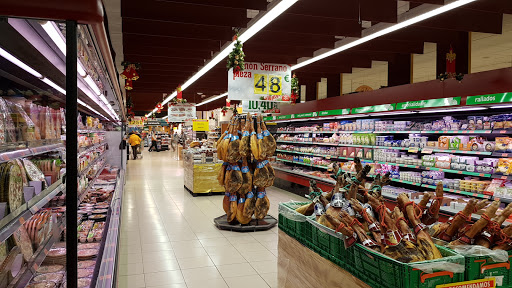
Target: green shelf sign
x: 375, y: 108
x: 489, y: 99
x: 283, y: 117
x: 442, y: 102
x: 334, y: 112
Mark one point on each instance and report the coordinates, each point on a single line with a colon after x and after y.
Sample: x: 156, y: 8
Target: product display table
x: 298, y: 266
x: 201, y: 178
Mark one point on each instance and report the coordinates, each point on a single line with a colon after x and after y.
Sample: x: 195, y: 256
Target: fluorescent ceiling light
x: 212, y: 99
x: 166, y: 117
x: 104, y: 99
x: 246, y: 35
x: 20, y: 64
x: 55, y: 34
x: 80, y: 68
x: 403, y: 24
x: 502, y: 106
x: 453, y: 110
x: 52, y: 84
x: 92, y: 85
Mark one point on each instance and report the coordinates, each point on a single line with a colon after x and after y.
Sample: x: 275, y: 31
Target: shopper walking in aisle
x: 134, y: 141
x: 153, y: 142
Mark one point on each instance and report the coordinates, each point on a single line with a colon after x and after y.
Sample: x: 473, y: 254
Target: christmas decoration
x: 450, y: 63
x: 236, y: 57
x: 450, y: 68
x: 228, y: 103
x: 159, y: 107
x: 128, y: 85
x: 295, y: 89
x: 175, y: 101
x: 130, y: 74
x: 179, y: 96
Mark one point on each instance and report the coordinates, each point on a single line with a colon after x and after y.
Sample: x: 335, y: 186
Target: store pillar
x: 71, y: 157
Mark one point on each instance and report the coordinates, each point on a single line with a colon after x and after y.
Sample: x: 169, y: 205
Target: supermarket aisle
x: 168, y: 238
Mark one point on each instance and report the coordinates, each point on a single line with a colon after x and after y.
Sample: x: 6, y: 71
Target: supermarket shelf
x: 406, y: 182
x: 89, y: 148
x: 503, y: 177
x: 326, y: 180
x: 11, y: 155
x: 91, y: 182
x: 106, y: 274
x: 456, y: 171
x: 423, y: 150
x: 399, y: 165
x: 301, y: 163
x: 13, y: 221
x: 89, y: 131
x: 498, y: 131
x: 27, y: 273
x: 459, y: 192
x: 500, y: 154
x: 86, y: 169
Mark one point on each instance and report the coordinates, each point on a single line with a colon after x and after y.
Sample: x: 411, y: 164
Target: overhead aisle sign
x: 442, y: 102
x: 489, y: 99
x: 260, y: 81
x: 136, y: 121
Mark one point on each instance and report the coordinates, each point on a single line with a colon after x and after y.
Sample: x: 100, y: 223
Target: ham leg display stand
x: 245, y: 148
x: 255, y: 225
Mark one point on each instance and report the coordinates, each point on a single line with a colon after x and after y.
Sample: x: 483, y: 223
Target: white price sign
x: 260, y: 81
x: 180, y: 112
x: 254, y: 106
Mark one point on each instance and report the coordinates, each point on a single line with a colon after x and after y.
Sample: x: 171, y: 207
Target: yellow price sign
x: 481, y: 283
x: 275, y: 85
x: 200, y: 125
x: 260, y: 83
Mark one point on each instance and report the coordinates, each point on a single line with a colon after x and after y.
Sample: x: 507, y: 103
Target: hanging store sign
x: 489, y: 99
x: 375, y: 108
x: 260, y: 81
x: 254, y: 106
x: 136, y: 121
x: 200, y: 125
x: 180, y: 112
x: 442, y: 102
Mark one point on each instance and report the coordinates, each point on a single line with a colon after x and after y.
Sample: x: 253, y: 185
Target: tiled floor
x: 168, y: 238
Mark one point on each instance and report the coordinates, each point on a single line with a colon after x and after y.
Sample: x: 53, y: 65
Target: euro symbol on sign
x: 287, y: 78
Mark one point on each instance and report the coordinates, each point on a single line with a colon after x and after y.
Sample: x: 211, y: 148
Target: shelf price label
x: 260, y: 81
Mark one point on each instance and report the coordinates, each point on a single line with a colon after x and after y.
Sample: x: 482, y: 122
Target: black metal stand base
x: 202, y: 194
x: 255, y: 225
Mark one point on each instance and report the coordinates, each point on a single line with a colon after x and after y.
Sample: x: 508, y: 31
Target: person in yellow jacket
x: 134, y: 141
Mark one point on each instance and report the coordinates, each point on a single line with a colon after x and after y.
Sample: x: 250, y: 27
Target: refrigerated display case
x: 58, y: 80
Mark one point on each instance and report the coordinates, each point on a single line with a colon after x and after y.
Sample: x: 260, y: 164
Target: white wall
x: 424, y: 65
x: 492, y: 51
x: 322, y: 88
